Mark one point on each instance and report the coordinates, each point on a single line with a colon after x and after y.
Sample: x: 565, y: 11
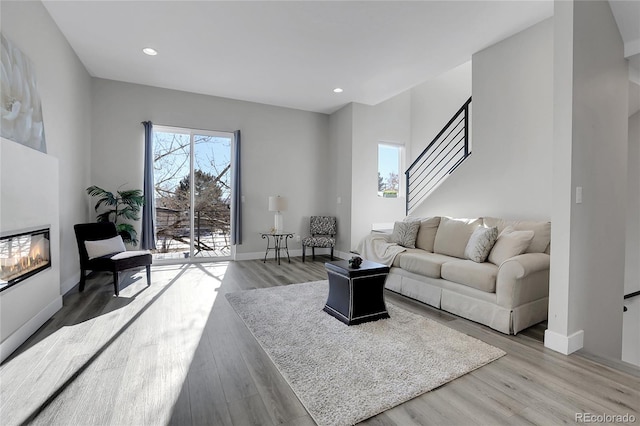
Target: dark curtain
x: 236, y: 195
x: 148, y: 240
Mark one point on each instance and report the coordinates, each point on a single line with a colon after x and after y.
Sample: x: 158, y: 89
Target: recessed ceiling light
x: 337, y: 90
x: 150, y: 51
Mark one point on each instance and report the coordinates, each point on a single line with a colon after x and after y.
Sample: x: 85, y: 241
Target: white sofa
x: 508, y: 292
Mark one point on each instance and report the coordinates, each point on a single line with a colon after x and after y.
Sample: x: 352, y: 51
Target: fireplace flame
x: 23, y: 254
x: 21, y: 265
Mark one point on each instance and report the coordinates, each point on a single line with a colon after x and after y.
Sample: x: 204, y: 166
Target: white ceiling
x: 293, y: 53
x: 627, y: 16
x: 290, y: 53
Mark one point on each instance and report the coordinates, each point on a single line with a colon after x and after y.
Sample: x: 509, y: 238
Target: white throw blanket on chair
x: 377, y: 248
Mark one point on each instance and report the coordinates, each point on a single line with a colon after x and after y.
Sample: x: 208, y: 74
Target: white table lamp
x: 278, y: 204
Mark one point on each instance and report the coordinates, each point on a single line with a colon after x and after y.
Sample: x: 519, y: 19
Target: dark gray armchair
x: 113, y: 262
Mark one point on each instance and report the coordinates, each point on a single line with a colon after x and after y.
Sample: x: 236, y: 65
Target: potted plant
x: 122, y: 205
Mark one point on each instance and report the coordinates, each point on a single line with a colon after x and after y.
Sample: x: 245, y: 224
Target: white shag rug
x: 345, y: 374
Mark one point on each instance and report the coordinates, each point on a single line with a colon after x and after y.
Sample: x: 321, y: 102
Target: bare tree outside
x: 393, y: 182
x: 211, y: 189
x: 389, y: 170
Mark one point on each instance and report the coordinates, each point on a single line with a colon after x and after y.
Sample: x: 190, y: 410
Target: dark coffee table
x: 356, y: 295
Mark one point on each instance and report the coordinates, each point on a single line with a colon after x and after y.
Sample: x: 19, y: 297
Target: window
x: 389, y: 166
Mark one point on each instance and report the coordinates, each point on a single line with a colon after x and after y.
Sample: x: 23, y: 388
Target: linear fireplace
x: 23, y: 254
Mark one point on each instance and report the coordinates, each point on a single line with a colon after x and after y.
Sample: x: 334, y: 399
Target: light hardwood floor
x: 177, y: 353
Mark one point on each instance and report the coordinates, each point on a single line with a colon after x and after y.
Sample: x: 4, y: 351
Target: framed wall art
x: 21, y: 109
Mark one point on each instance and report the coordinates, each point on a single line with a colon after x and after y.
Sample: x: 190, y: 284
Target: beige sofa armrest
x: 522, y: 279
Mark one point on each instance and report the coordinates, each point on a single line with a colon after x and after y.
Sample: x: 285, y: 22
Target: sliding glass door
x: 192, y: 173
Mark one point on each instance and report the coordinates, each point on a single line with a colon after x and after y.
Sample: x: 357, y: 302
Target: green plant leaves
x: 131, y: 197
x: 129, y: 213
x: 127, y: 232
x: 105, y: 216
x: 106, y: 197
x: 126, y: 205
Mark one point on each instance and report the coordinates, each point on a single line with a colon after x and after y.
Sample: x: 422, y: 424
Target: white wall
x: 339, y: 179
x: 412, y: 119
x: 509, y: 172
x: 25, y: 306
x: 631, y: 319
x: 433, y: 103
x: 600, y: 111
x: 562, y: 299
x: 389, y: 121
x: 64, y: 88
x: 591, y: 145
x: 284, y: 151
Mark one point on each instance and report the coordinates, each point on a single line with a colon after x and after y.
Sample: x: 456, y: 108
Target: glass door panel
x: 192, y: 220
x: 212, y: 196
x: 172, y: 166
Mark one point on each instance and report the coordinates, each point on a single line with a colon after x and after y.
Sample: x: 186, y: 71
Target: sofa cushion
x: 405, y: 233
x: 480, y: 244
x: 319, y: 241
x: 396, y: 260
x: 481, y: 276
x: 453, y: 235
x: 541, y: 230
x: 423, y: 262
x: 510, y: 243
x: 427, y: 233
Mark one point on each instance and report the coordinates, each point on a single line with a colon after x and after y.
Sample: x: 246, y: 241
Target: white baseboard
x: 11, y: 343
x: 292, y: 253
x: 564, y: 344
x: 70, y: 283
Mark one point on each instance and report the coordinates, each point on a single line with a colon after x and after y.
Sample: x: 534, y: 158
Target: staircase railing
x: 629, y: 296
x: 439, y: 159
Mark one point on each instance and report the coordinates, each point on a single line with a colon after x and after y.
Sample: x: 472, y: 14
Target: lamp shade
x: 277, y: 204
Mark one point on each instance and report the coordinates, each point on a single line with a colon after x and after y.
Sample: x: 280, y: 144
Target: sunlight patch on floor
x: 147, y: 336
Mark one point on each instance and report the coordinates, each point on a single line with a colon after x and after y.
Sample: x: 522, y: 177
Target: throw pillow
x: 101, y: 248
x: 427, y: 233
x: 510, y: 243
x: 541, y: 231
x: 404, y: 234
x: 480, y: 244
x: 453, y: 235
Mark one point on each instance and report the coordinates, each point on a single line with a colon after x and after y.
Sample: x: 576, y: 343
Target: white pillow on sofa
x: 427, y: 233
x: 480, y: 244
x: 510, y: 243
x: 101, y: 248
x: 541, y: 231
x: 453, y: 235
